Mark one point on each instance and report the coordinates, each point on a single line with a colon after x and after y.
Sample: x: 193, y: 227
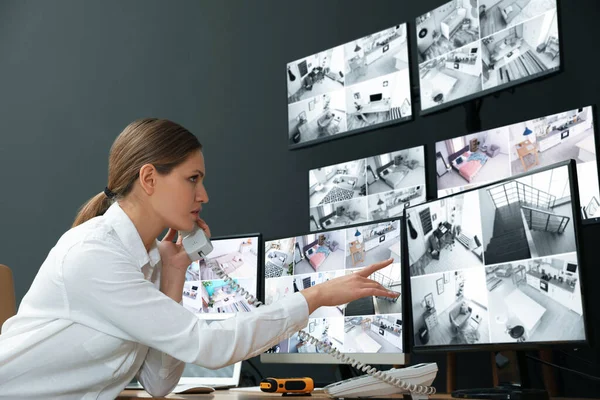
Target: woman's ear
x: 148, y: 176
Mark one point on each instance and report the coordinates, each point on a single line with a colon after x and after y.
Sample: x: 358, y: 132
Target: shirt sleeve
x: 160, y: 373
x: 107, y: 291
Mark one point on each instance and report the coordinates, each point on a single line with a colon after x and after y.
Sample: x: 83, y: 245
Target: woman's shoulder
x: 93, y: 237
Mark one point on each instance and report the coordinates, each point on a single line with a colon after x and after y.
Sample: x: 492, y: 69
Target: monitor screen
x: 368, y: 189
x: 360, y: 85
x: 490, y: 266
x: 469, y: 161
x: 470, y: 48
x: 369, y: 329
x: 375, y: 97
x: 206, y: 295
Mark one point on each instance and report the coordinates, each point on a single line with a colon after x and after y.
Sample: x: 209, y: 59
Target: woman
x: 105, y: 306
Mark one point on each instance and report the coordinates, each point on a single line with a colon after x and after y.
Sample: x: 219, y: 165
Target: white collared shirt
x: 92, y: 320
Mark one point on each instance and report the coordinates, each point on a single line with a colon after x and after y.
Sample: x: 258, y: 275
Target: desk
x: 228, y: 395
x: 375, y: 107
x: 442, y: 233
x: 525, y: 148
x: 358, y: 249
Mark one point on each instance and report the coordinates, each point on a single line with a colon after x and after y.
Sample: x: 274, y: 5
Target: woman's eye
x: 194, y: 178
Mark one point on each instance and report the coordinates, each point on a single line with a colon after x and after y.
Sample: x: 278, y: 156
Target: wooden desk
x: 228, y: 395
x: 525, y: 148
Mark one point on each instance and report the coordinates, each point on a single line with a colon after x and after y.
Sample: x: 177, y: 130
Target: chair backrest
x: 8, y: 306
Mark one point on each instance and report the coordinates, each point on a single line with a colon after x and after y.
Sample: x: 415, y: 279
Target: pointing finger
x: 367, y: 271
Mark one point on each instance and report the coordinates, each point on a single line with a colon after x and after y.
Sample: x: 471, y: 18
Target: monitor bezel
x: 260, y: 272
x: 371, y: 358
x: 593, y: 107
x: 422, y: 349
x: 497, y: 90
x: 378, y: 127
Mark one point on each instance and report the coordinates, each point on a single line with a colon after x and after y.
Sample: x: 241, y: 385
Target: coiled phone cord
x: 236, y: 287
x: 405, y: 386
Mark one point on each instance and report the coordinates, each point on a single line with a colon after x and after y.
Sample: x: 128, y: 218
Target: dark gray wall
x: 74, y: 73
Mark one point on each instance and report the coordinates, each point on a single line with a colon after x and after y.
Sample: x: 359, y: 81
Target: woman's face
x: 179, y: 195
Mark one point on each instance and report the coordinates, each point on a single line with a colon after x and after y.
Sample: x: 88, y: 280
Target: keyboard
x: 272, y: 270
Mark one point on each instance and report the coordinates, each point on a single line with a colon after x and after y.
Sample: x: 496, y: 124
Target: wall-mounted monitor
x: 467, y: 48
x: 368, y: 189
x: 210, y: 297
x: 352, y: 88
x: 494, y: 267
x: 371, y: 329
x: 468, y: 161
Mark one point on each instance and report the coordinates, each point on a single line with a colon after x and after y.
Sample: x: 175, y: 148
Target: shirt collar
x: 130, y: 236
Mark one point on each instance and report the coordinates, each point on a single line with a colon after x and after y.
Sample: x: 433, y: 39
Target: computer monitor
x: 211, y: 299
x: 468, y: 49
x: 466, y: 162
x: 240, y: 257
x: 366, y: 190
x: 495, y: 267
x: 360, y: 85
x: 370, y: 329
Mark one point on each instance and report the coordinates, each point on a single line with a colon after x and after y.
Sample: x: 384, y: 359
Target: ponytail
x: 159, y: 142
x: 94, y: 207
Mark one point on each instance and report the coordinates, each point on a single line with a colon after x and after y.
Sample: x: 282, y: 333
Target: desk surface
x: 525, y: 148
x: 227, y: 395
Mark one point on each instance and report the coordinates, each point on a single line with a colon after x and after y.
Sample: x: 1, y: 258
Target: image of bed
x: 321, y: 252
x: 467, y: 163
x: 397, y: 170
x: 393, y: 173
x: 316, y: 254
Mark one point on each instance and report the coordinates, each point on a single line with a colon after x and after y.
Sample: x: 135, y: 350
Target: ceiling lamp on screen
x: 352, y: 88
x: 468, y: 48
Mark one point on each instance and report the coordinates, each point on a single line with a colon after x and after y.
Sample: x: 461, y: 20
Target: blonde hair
x: 159, y: 142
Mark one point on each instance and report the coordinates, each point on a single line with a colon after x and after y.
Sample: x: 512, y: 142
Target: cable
x: 382, y: 376
x: 255, y: 369
x: 592, y: 377
x: 236, y: 287
x: 593, y: 364
x: 416, y: 389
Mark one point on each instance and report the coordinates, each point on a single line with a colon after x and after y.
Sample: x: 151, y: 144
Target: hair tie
x: 108, y: 193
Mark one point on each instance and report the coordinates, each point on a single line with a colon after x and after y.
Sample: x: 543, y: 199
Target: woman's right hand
x: 347, y: 288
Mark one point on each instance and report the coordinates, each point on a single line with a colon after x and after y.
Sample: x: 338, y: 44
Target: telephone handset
x: 198, y: 246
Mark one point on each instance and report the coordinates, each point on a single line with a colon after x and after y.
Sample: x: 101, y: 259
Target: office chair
x: 8, y: 306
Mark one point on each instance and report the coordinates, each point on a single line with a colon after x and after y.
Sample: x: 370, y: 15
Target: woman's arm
x: 107, y: 291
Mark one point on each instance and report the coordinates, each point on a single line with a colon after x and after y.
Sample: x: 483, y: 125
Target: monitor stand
x: 515, y: 387
x: 346, y: 371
